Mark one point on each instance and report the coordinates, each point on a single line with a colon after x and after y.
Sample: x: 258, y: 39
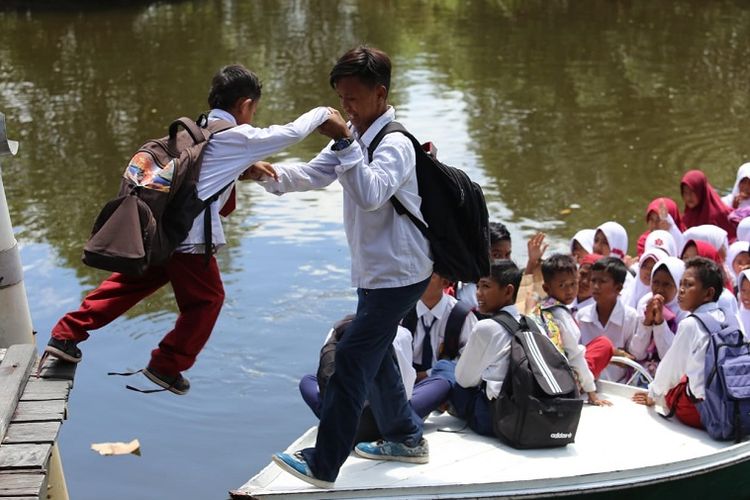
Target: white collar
x: 438, y: 311
x: 588, y: 314
x: 388, y: 116
x: 220, y: 114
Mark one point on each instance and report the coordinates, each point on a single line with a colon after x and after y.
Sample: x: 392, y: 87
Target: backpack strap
x: 390, y: 128
x: 190, y: 126
x: 453, y: 328
x: 508, y: 321
x: 410, y: 320
x: 213, y: 127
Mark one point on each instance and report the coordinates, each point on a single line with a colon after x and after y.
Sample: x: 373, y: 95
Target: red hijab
x: 708, y: 251
x: 671, y: 207
x: 710, y: 208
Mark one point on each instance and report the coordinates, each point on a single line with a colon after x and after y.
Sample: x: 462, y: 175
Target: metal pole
x: 15, y: 318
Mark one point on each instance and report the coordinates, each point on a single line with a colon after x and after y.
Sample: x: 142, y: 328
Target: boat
x: 622, y: 451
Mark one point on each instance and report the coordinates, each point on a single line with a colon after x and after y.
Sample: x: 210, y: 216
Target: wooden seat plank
x: 41, y: 390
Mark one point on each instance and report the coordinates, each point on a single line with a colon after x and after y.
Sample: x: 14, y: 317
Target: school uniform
x: 467, y: 292
x: 686, y: 358
x: 197, y: 287
x: 620, y: 329
x: 557, y: 321
x: 480, y: 372
x: 391, y: 267
x: 431, y: 325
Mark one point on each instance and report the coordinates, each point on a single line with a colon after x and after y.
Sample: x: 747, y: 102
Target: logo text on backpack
x: 561, y: 435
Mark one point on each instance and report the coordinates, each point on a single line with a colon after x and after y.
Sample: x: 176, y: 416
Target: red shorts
x: 679, y: 400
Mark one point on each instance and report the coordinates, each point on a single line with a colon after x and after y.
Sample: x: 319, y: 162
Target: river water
x: 548, y: 104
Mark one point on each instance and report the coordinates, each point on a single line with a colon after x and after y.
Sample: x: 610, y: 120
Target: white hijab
x: 663, y: 240
x: 743, y: 229
x: 676, y: 268
x: 637, y: 289
x: 617, y: 238
x: 709, y: 233
x: 585, y: 238
x: 742, y: 173
x: 735, y: 249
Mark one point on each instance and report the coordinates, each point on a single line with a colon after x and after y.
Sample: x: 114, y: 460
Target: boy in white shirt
x: 229, y: 156
x: 680, y: 377
x: 555, y: 319
x: 608, y: 316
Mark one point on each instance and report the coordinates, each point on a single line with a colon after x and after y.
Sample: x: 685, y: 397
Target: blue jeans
x: 471, y: 404
x: 366, y: 370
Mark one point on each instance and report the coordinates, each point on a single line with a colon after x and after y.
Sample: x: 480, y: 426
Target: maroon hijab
x: 710, y: 208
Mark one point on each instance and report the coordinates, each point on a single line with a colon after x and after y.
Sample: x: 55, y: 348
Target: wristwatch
x: 342, y: 143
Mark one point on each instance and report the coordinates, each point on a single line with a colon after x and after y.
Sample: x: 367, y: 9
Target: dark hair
x: 372, y: 66
x: 709, y: 274
x: 613, y: 266
x: 505, y: 272
x: 558, y: 263
x: 231, y: 83
x: 498, y: 232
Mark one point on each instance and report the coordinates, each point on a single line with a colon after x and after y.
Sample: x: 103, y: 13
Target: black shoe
x: 67, y: 350
x: 174, y: 383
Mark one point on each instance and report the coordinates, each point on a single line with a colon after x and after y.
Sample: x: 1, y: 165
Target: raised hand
x: 335, y: 126
x: 535, y: 248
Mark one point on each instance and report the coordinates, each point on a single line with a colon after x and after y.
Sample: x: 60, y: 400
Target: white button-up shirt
x: 620, y: 329
x: 439, y: 314
x: 387, y: 250
x: 486, y: 355
x: 686, y: 356
x: 230, y: 153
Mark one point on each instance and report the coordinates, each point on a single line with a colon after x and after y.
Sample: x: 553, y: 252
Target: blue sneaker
x: 295, y: 464
x: 399, y: 452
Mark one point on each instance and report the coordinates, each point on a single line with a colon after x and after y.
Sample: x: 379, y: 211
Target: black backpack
x: 157, y: 202
x: 538, y: 405
x: 455, y: 211
x: 453, y: 328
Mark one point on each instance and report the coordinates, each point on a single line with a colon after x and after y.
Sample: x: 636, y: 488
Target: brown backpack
x: 157, y: 202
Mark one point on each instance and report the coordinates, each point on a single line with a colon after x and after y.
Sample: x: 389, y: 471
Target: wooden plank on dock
x: 40, y: 411
x: 21, y: 484
x: 55, y: 368
x: 24, y: 456
x: 34, y: 432
x: 42, y: 390
x: 14, y: 372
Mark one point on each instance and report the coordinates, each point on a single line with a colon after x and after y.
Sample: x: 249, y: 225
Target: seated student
x: 680, y: 377
x: 738, y: 259
x: 659, y: 314
x: 663, y: 241
x: 711, y: 234
x: 440, y: 326
x: 740, y: 195
x: 608, y: 316
x: 424, y: 396
x: 584, y: 296
x: 555, y: 319
x: 641, y: 285
x: 697, y: 248
x: 703, y: 205
x: 530, y: 290
x: 500, y: 248
x: 611, y: 240
x: 661, y: 214
x: 582, y: 243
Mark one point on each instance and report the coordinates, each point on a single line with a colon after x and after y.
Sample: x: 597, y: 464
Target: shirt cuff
x: 348, y: 157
